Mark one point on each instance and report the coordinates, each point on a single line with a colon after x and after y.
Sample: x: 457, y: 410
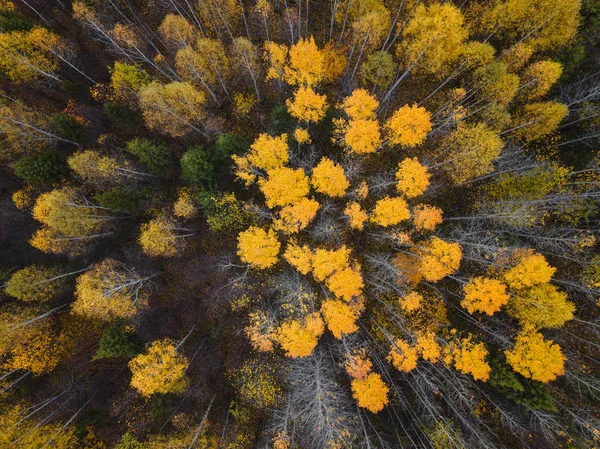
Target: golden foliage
x: 542, y: 305
x: 329, y: 179
x: 326, y: 262
x: 302, y: 136
x: 177, y: 30
x: 258, y: 248
x: 536, y: 358
x: 306, y: 63
x: 403, y: 356
x: 532, y: 269
x: 536, y: 120
x: 173, y: 108
x: 426, y: 217
x: 161, y: 369
x: 158, y: 239
x: 360, y: 136
x: 540, y: 76
x: 108, y: 291
x: 413, y: 178
x: 358, y: 365
x: 23, y: 198
x: 307, y: 105
x: 339, y: 317
x: 297, y: 216
x: 356, y: 215
x: 184, y: 206
x: 411, y: 301
x: 260, y: 331
x: 284, y: 186
x: 266, y: 153
x: 434, y: 37
x: 427, y: 346
x: 34, y: 283
x: 371, y: 392
x: 346, y: 283
x: 276, y: 57
x: 257, y: 385
x: 473, y: 149
x: 469, y: 358
x: 299, y: 339
x: 439, y: 259
x: 408, y: 126
x: 484, y: 295
x: 360, y: 105
x: 390, y: 211
x: 300, y: 257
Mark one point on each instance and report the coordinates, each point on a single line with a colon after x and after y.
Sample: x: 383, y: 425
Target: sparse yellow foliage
x: 356, y: 215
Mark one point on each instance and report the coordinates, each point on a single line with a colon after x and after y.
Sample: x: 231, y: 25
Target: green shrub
x: 119, y: 199
x: 118, y: 341
x: 153, y: 155
x: 119, y: 113
x: 197, y: 167
x: 41, y: 168
x: 67, y: 127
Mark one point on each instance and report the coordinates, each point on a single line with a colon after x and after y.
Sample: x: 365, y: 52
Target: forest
x: 299, y: 224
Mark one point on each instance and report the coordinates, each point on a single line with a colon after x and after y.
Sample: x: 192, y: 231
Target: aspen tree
x: 161, y: 369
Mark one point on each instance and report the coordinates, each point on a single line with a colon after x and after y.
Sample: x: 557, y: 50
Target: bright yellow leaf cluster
x: 438, y: 259
x: 297, y: 216
x: 307, y: 105
x: 428, y: 346
x: 411, y: 301
x: 258, y: 247
x: 413, y: 178
x: 340, y: 317
x: 390, y: 211
x: 299, y: 339
x: 371, y: 392
x: 356, y: 215
x: 300, y: 257
x: 284, y: 186
x: 532, y: 269
x: 408, y: 126
x: 426, y: 217
x: 360, y: 136
x: 484, y: 295
x: 542, y: 305
x: 403, y: 356
x: 266, y: 153
x: 329, y: 179
x: 360, y: 105
x: 161, y: 369
x: 470, y: 358
x: 536, y: 358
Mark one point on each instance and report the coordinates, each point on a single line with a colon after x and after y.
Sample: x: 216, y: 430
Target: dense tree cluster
x: 292, y: 224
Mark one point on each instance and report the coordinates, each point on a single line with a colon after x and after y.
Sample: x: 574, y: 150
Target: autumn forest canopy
x: 299, y: 224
